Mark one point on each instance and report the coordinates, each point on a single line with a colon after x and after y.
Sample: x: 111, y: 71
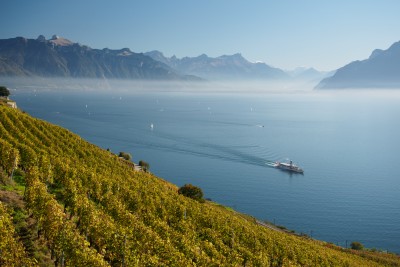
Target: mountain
x: 380, y: 70
x: 308, y: 74
x: 59, y: 57
x: 71, y: 203
x: 226, y: 67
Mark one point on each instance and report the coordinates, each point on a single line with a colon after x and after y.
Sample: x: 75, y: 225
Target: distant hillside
x: 308, y: 74
x: 70, y: 203
x: 59, y: 57
x: 232, y: 67
x: 380, y: 70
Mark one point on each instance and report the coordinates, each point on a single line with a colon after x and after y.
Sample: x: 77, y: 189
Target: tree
x: 356, y: 245
x: 125, y: 155
x: 145, y: 166
x: 191, y: 191
x: 4, y: 91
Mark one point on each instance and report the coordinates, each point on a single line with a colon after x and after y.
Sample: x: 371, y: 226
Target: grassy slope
x: 91, y: 209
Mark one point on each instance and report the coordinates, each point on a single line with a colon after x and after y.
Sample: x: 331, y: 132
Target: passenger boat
x: 288, y: 167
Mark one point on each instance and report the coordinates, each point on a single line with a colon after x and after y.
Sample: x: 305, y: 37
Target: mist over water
x: 221, y: 137
x: 34, y: 84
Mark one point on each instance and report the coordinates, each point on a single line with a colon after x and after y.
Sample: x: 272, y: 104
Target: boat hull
x: 288, y: 167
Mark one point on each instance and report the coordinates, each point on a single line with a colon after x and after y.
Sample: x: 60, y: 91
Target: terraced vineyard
x: 83, y: 206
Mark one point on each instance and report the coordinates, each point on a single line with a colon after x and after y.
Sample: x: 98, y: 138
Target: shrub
x: 191, y: 191
x: 356, y: 245
x: 4, y: 91
x: 125, y: 155
x: 145, y: 166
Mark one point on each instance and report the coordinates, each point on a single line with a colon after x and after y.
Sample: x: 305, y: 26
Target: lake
x: 346, y: 142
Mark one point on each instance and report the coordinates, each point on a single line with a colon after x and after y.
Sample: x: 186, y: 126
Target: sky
x: 286, y: 34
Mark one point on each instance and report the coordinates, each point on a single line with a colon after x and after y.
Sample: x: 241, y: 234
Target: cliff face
x: 60, y: 57
x: 380, y: 70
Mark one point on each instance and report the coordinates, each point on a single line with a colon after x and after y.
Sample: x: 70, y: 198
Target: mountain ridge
x: 59, y: 57
x: 380, y: 70
x: 228, y: 67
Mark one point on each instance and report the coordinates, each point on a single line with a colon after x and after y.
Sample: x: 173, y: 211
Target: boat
x: 288, y: 166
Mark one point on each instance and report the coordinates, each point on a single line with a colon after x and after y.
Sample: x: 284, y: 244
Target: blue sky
x: 286, y: 34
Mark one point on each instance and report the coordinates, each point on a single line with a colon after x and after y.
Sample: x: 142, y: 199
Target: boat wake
x: 270, y: 164
x: 250, y: 154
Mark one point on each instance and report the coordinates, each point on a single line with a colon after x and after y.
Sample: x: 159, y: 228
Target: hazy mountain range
x: 380, y: 70
x: 221, y: 68
x: 308, y: 74
x: 60, y: 57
